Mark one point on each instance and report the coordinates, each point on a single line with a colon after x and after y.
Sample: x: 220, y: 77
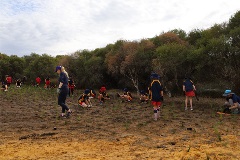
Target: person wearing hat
x: 92, y: 93
x: 143, y: 96
x: 63, y: 90
x: 102, y: 94
x: 233, y: 101
x: 126, y: 95
x: 84, y: 100
x: 188, y: 89
x: 156, y: 94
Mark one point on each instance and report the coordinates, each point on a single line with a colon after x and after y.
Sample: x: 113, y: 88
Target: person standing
x: 71, y: 86
x: 188, y: 89
x: 63, y: 90
x: 24, y: 79
x: 38, y: 81
x: 156, y: 94
x: 8, y: 80
x: 47, y: 83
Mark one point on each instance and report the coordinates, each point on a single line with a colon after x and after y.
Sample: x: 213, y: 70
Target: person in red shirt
x: 71, y: 86
x: 103, y: 95
x: 8, y: 80
x: 47, y: 83
x: 38, y: 81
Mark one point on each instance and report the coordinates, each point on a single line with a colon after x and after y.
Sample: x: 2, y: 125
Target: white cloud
x: 65, y: 26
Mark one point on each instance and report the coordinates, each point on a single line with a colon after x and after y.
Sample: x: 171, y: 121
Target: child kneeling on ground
x: 143, y: 97
x: 232, y: 102
x: 126, y: 95
x: 84, y: 100
x: 103, y: 95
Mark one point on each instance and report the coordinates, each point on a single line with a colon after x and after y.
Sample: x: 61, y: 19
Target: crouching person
x: 103, y: 95
x: 143, y: 97
x: 232, y: 102
x: 84, y: 100
x: 127, y: 96
x: 19, y: 83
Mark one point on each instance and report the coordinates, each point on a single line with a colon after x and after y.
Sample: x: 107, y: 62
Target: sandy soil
x: 114, y: 130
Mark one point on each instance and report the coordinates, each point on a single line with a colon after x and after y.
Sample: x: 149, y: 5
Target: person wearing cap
x: 156, y: 94
x: 188, y: 89
x: 102, y: 94
x: 143, y: 97
x: 63, y: 90
x: 126, y: 95
x: 92, y: 93
x: 233, y: 101
x: 84, y: 100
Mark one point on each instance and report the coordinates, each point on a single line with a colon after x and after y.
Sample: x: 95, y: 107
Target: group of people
x: 66, y: 87
x: 8, y: 81
x: 155, y: 93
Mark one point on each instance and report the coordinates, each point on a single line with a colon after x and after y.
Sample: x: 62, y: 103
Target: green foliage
x: 209, y: 56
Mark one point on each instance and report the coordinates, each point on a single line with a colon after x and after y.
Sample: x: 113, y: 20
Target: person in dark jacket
x: 156, y: 94
x: 63, y: 90
x: 188, y: 89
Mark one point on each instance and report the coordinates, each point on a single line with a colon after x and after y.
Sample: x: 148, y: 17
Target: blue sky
x: 65, y: 26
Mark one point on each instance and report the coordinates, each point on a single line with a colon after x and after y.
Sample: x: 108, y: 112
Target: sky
x: 60, y: 27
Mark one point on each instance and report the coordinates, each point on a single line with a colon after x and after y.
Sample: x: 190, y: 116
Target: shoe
x: 185, y: 108
x: 62, y: 116
x: 191, y: 109
x: 68, y: 113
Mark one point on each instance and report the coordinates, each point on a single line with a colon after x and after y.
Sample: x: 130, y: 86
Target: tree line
x: 210, y: 57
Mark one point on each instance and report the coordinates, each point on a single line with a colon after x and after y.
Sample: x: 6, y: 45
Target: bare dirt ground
x: 114, y: 130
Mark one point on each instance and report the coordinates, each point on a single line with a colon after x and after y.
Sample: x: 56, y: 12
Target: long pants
x: 71, y: 91
x: 62, y: 98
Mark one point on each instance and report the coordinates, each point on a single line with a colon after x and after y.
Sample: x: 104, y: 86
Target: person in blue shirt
x: 127, y: 96
x: 188, y: 89
x: 143, y: 97
x: 156, y: 94
x: 84, y: 100
x: 63, y: 90
x: 233, y: 101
